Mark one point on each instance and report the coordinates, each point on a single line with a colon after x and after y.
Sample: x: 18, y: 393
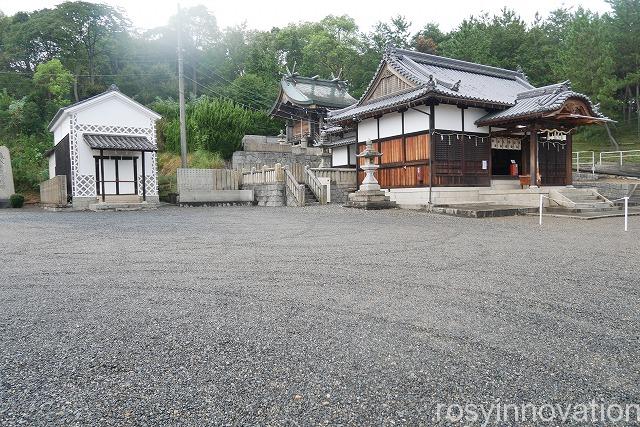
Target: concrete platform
x: 473, y: 210
x: 633, y: 211
x: 96, y: 207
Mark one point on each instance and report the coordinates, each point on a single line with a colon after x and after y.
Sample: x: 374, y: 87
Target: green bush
x: 213, y: 124
x: 16, y: 200
x: 27, y: 160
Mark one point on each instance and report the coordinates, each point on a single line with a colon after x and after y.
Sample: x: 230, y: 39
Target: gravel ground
x: 307, y: 316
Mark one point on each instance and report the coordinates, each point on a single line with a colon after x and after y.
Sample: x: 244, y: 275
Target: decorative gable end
x: 386, y: 83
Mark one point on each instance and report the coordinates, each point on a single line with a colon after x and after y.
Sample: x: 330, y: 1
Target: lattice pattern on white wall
x: 122, y: 130
x: 152, y: 185
x: 85, y: 185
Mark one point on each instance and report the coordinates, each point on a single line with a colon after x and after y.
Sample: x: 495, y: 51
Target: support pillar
x: 533, y: 157
x: 569, y: 158
x: 102, y: 173
x: 144, y: 179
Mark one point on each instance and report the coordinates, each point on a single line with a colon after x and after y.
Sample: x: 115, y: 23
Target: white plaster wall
x: 352, y: 154
x: 113, y: 111
x: 61, y: 131
x: 390, y: 125
x: 52, y: 165
x: 415, y: 121
x: 367, y: 129
x: 339, y: 156
x: 86, y: 163
x: 470, y: 116
x: 448, y: 117
x: 149, y: 167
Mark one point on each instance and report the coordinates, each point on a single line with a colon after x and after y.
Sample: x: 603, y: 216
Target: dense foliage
x: 51, y: 57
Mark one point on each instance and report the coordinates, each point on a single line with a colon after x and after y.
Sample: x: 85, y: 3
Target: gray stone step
x: 121, y: 206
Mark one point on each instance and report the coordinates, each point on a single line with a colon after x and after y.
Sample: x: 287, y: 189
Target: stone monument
x: 6, y: 177
x: 369, y: 195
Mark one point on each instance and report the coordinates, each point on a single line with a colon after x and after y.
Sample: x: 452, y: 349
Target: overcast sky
x: 269, y: 13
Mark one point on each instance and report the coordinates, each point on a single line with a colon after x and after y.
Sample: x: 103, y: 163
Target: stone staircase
x: 121, y: 203
x: 579, y: 200
x: 310, y: 198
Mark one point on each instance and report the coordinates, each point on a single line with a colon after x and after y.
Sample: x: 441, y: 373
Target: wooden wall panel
x: 360, y: 148
x: 458, y: 161
x: 300, y: 128
x: 392, y: 151
x: 417, y: 147
x: 401, y: 176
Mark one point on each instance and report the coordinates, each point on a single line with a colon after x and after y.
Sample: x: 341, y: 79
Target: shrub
x: 16, y: 200
x: 168, y: 163
x: 213, y: 124
x: 29, y: 164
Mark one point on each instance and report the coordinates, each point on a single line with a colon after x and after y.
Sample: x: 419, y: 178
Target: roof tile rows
x: 452, y: 79
x: 119, y: 142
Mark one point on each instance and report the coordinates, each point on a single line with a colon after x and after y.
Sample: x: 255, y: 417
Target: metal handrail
x: 592, y: 163
x: 618, y: 155
x: 318, y: 189
x: 626, y: 209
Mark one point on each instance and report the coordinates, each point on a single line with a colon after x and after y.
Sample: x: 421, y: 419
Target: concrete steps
x: 580, y: 200
x: 116, y: 207
x: 309, y: 198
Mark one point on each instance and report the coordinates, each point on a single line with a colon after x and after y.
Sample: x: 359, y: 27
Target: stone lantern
x: 282, y: 138
x: 369, y: 195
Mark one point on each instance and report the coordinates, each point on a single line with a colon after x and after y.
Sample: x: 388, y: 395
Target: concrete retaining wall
x: 53, y: 192
x: 257, y: 159
x: 269, y: 194
x: 211, y: 186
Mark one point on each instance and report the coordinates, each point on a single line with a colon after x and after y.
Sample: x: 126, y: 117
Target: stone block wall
x: 340, y: 192
x: 257, y: 159
x: 53, y: 192
x: 269, y: 194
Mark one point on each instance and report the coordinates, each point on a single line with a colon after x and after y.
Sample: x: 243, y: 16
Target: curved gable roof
x: 434, y: 75
x: 316, y: 91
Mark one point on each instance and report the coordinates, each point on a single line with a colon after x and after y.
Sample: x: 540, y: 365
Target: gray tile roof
x: 537, y: 102
x: 339, y: 142
x: 119, y: 142
x: 436, y: 76
x: 316, y: 91
x: 396, y: 99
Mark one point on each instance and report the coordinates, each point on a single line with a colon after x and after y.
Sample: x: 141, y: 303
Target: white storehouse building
x: 106, y: 147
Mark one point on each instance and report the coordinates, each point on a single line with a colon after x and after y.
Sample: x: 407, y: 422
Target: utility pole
x: 183, y: 126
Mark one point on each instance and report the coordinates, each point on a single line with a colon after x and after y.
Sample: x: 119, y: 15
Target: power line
x: 268, y: 104
x: 22, y: 73
x: 268, y: 101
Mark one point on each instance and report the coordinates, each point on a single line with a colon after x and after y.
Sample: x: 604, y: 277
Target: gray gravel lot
x: 306, y: 316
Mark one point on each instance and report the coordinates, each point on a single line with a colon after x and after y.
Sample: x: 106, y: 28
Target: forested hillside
x: 52, y: 57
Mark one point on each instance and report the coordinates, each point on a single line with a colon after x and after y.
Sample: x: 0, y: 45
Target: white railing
x: 296, y: 189
x: 337, y: 175
x: 586, y: 159
x: 626, y: 209
x: 618, y: 156
x: 265, y: 175
x: 318, y: 189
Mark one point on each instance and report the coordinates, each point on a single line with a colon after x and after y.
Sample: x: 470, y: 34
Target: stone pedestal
x: 370, y: 199
x: 369, y: 196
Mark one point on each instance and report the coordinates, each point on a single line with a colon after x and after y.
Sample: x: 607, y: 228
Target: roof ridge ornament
x: 432, y: 82
x: 114, y: 88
